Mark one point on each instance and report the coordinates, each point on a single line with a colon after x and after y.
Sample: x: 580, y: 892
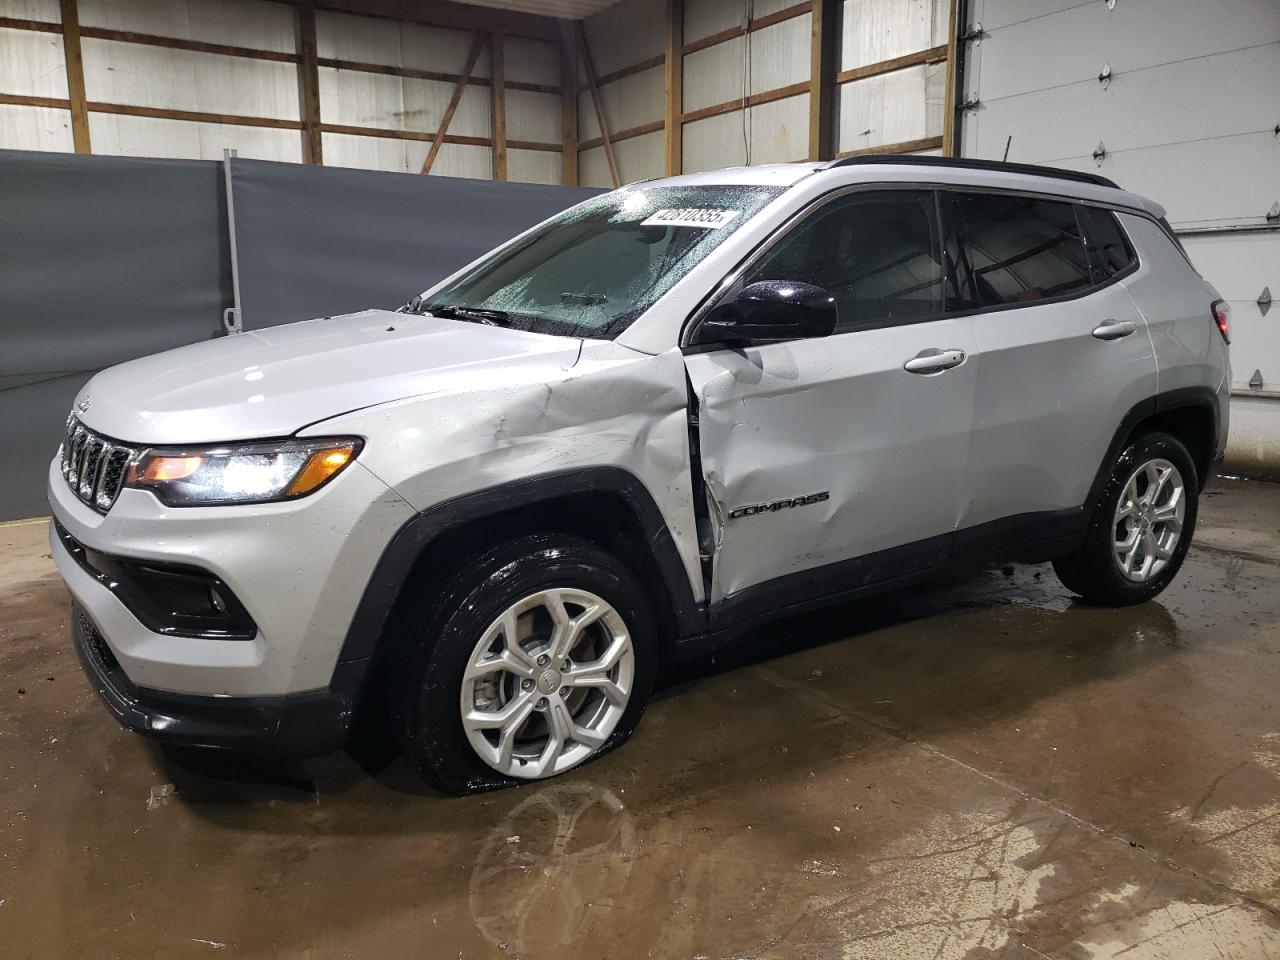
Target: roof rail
x: 999, y: 166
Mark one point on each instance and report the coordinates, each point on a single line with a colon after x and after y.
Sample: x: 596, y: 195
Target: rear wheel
x: 1141, y: 527
x: 538, y: 656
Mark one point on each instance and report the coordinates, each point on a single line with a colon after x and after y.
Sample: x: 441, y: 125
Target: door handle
x: 934, y: 360
x: 1113, y: 329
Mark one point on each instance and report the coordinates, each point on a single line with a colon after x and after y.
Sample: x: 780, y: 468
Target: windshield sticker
x: 707, y: 219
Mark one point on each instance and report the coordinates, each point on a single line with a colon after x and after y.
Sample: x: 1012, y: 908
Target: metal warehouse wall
x: 1175, y: 99
x: 745, y: 82
x: 286, y: 81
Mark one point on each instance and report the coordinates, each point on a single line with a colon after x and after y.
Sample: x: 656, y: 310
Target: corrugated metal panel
x: 405, y: 156
x: 779, y: 54
x: 182, y: 139
x: 355, y: 98
x: 241, y: 23
x: 702, y: 18
x: 35, y: 128
x: 47, y: 11
x: 778, y: 132
x: 629, y: 102
x: 779, y: 57
x: 593, y: 169
x: 714, y: 75
x: 626, y: 33
x: 531, y: 61
x: 440, y: 49
x: 31, y: 64
x: 891, y: 108
x: 185, y: 80
x: 533, y: 116
x: 639, y: 158
x: 876, y: 30
x: 533, y: 166
x: 342, y: 36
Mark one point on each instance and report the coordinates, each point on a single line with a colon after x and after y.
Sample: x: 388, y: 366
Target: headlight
x: 242, y: 472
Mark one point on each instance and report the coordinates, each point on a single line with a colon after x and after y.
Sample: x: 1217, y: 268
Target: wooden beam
x: 932, y: 55
x: 629, y: 71
x: 199, y: 46
x: 755, y: 100
x: 40, y: 26
x: 621, y: 135
x: 569, y: 110
x: 756, y: 23
x: 75, y: 76
x: 905, y: 146
x: 159, y: 113
x: 477, y: 44
x: 498, y: 103
x: 585, y: 53
x: 949, y: 100
x: 412, y: 73
x: 824, y: 28
x: 22, y: 100
x: 673, y: 158
x: 309, y: 85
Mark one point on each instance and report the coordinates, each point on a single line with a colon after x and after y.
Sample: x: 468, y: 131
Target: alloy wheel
x: 547, y: 683
x: 1148, y: 520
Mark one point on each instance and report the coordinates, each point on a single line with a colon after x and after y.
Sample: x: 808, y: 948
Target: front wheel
x: 538, y: 656
x: 1141, y: 527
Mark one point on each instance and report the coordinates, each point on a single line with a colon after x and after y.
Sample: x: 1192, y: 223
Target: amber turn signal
x: 161, y: 468
x: 320, y: 466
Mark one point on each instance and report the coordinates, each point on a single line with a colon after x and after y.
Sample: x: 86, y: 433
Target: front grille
x: 94, y: 466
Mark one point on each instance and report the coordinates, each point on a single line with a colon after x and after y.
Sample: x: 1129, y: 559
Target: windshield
x: 590, y: 271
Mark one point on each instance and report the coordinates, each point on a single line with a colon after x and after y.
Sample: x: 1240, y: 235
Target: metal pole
x: 231, y: 320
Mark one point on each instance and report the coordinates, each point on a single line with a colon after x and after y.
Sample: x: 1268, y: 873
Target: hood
x: 271, y: 383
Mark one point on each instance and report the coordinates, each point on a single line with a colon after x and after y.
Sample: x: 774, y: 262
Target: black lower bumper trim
x: 294, y: 726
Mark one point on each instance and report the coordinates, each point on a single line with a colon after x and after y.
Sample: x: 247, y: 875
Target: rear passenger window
x: 1022, y: 249
x: 876, y: 253
x: 1109, y: 251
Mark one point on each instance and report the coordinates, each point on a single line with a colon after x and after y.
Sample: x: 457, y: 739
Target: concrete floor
x: 985, y: 769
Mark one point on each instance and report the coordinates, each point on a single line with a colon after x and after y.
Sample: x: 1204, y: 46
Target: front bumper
x: 299, y: 725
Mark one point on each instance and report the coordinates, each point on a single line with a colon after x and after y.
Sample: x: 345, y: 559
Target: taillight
x: 1222, y: 317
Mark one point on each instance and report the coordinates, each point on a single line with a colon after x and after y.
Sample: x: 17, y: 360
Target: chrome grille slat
x: 94, y: 466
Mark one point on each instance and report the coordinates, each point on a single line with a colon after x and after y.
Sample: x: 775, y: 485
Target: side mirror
x: 770, y: 310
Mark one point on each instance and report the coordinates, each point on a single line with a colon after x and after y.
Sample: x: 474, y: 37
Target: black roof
x: 1029, y: 169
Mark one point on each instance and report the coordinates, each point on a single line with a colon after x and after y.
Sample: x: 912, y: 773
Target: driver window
x: 876, y: 253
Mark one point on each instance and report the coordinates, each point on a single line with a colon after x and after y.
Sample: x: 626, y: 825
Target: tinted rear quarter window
x: 1109, y: 252
x: 1023, y: 249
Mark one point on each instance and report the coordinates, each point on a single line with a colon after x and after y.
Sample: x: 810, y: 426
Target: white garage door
x: 1175, y: 99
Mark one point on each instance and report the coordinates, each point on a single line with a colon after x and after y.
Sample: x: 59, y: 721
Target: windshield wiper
x: 494, y: 318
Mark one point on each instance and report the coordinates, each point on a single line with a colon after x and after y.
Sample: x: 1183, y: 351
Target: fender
x: 1200, y: 397
x: 417, y: 534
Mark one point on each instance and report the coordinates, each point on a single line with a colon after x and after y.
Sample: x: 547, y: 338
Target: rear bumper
x: 284, y: 727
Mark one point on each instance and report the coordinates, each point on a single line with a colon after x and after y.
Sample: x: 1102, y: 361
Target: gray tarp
x: 103, y: 259
x: 314, y: 241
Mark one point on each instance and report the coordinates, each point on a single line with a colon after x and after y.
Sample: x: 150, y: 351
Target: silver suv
x: 661, y: 417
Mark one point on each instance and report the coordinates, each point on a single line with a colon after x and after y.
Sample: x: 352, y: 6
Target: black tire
x: 441, y: 632
x: 1091, y: 570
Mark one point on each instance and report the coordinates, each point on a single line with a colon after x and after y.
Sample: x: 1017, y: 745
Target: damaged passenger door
x: 835, y: 461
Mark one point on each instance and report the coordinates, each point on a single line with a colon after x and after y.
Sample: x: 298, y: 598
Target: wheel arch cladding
x: 1190, y: 414
x: 606, y: 505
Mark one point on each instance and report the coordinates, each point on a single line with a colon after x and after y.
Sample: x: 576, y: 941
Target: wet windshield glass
x: 593, y: 269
